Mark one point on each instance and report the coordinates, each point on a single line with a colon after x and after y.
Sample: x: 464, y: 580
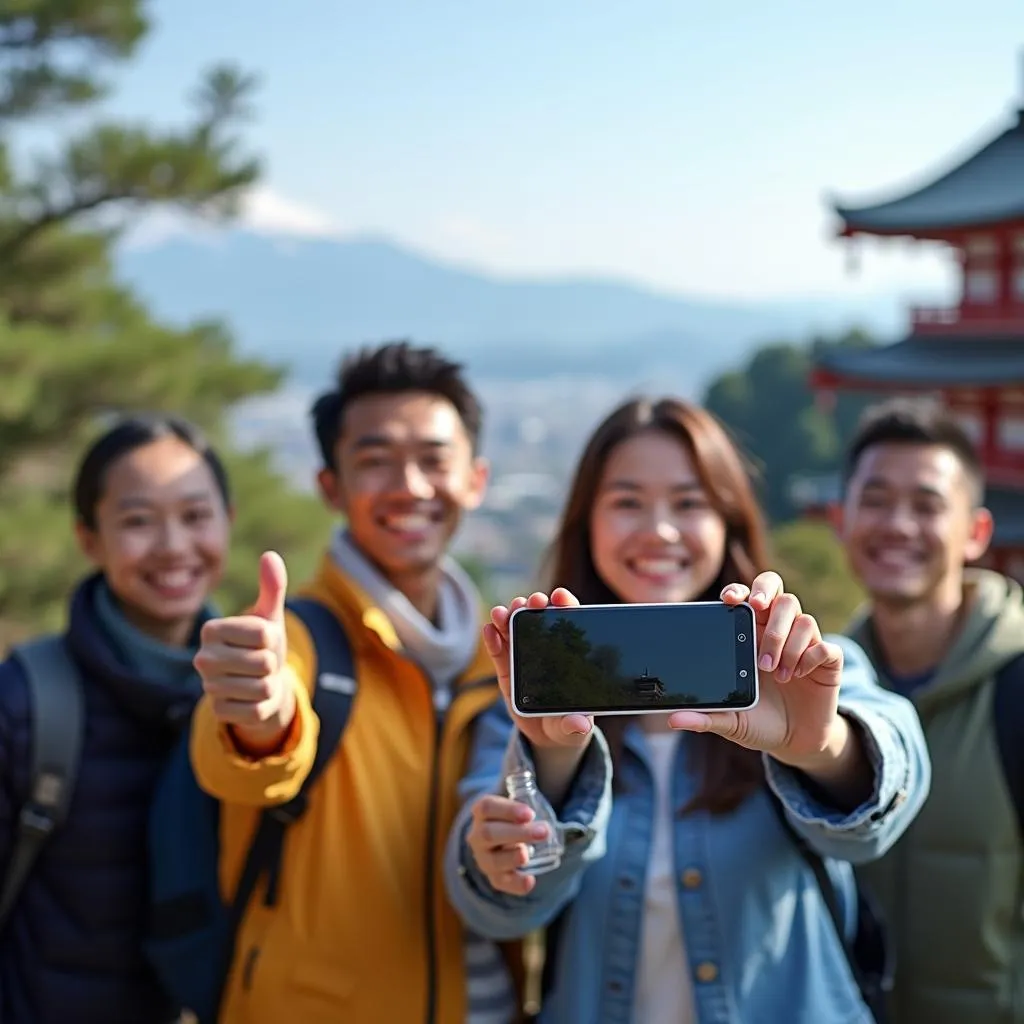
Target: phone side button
x: 691, y: 878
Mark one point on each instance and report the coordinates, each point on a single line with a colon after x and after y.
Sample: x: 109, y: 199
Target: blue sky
x: 655, y: 141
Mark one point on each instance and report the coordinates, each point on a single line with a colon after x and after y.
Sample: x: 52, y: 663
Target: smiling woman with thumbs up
x: 152, y: 514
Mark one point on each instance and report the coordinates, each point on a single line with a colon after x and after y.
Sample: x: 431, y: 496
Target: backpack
x: 191, y: 935
x: 57, y: 711
x: 1008, y: 720
x: 870, y: 954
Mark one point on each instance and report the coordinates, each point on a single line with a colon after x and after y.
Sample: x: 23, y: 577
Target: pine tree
x: 75, y: 345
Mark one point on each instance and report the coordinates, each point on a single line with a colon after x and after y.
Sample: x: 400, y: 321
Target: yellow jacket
x: 361, y: 925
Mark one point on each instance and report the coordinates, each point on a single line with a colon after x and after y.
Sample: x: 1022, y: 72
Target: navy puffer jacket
x: 71, y: 951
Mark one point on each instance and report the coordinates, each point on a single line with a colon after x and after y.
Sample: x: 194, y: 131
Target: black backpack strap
x: 552, y: 940
x: 1008, y: 723
x: 57, y: 711
x: 333, y: 697
x: 870, y: 943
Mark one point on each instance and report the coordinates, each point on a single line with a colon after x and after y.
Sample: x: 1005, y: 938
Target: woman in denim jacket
x: 685, y: 898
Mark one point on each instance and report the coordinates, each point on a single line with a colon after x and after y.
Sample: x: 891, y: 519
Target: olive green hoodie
x: 951, y: 888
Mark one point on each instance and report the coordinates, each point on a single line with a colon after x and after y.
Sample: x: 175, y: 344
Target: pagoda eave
x: 1007, y: 507
x: 953, y: 233
x: 983, y: 191
x: 923, y: 362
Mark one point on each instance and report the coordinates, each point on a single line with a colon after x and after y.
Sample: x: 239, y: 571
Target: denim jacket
x: 760, y: 944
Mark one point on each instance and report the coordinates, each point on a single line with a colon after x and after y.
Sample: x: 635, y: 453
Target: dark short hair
x: 124, y: 437
x: 914, y: 421
x: 392, y: 368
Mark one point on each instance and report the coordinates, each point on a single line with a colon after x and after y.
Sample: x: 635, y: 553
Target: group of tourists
x: 298, y: 811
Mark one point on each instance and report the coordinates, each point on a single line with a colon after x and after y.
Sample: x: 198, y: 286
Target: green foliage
x: 75, y: 345
x: 50, y: 49
x: 769, y: 407
x: 812, y: 563
x: 479, y: 572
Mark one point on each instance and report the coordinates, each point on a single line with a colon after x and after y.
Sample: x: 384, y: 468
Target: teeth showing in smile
x: 657, y: 566
x: 895, y: 558
x: 173, y: 579
x: 411, y: 523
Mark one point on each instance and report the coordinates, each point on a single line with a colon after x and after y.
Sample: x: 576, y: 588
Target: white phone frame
x: 663, y: 709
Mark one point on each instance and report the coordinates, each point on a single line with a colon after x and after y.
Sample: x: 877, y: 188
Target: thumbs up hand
x: 241, y: 662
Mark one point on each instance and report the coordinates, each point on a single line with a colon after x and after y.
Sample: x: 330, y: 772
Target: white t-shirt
x: 663, y: 993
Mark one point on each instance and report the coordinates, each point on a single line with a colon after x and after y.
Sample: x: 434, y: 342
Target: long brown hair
x: 729, y: 773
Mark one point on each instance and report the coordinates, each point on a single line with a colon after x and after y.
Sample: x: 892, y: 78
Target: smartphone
x: 633, y: 659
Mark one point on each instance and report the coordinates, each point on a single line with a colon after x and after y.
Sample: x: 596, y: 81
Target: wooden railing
x: 961, y: 320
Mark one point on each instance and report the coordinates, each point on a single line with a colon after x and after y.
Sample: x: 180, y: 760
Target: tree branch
x: 196, y: 169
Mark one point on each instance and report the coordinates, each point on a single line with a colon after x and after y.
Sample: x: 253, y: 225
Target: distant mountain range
x: 302, y: 301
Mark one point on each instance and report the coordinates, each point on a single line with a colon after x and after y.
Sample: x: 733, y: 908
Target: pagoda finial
x: 1020, y: 108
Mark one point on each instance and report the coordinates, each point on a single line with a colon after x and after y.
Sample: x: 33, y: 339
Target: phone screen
x: 608, y: 659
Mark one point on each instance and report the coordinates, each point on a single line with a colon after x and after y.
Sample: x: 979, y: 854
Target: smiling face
x: 406, y: 473
x: 654, y: 535
x: 161, y: 536
x: 910, y: 522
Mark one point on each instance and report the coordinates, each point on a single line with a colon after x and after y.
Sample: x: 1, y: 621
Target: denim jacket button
x: 706, y: 972
x: 691, y: 878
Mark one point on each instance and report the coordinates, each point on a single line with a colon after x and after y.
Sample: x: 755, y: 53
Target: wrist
x: 832, y: 760
x: 555, y: 768
x: 270, y: 737
x: 557, y: 759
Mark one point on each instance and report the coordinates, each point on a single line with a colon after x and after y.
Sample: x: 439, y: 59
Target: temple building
x: 969, y: 354
x: 649, y: 686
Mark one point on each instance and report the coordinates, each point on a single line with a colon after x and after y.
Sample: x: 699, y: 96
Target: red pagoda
x: 971, y: 354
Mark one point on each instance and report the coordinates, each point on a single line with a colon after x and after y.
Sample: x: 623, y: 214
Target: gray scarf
x: 444, y: 651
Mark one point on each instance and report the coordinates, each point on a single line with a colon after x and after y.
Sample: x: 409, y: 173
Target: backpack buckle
x: 37, y: 816
x: 289, y: 813
x: 36, y: 821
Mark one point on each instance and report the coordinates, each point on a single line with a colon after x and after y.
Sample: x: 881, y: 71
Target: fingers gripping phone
x: 629, y: 659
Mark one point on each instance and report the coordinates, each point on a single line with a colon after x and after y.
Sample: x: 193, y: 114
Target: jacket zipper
x: 431, y: 915
x: 249, y: 967
x: 431, y: 858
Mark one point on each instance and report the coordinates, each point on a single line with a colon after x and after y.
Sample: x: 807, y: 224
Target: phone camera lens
x: 741, y: 637
x: 743, y: 673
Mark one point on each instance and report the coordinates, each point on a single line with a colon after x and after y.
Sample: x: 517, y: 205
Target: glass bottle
x: 545, y: 854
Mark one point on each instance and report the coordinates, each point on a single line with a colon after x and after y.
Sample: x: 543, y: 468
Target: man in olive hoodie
x: 950, y: 639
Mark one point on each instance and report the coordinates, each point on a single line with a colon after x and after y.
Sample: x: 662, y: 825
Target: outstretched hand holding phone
x: 502, y: 828
x: 570, y: 731
x: 796, y: 719
x: 241, y: 662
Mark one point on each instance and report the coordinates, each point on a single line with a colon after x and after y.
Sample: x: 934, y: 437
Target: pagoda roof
x: 985, y: 189
x: 1007, y: 508
x: 930, y: 362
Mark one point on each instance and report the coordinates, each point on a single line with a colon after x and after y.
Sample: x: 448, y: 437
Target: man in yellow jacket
x: 361, y: 930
